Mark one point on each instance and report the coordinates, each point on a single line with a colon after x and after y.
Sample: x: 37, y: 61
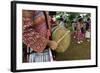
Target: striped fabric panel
x: 45, y: 56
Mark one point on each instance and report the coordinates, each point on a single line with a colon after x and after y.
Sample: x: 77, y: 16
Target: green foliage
x: 71, y: 16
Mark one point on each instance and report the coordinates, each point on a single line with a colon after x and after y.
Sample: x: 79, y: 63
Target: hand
x: 52, y: 45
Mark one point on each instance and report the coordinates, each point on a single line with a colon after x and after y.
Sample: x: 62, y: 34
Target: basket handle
x: 62, y: 37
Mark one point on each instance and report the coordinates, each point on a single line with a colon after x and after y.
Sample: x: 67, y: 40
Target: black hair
x: 88, y: 19
x: 80, y: 20
x: 52, y: 13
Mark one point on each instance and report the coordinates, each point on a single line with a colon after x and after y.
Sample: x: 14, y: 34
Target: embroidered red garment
x: 35, y: 37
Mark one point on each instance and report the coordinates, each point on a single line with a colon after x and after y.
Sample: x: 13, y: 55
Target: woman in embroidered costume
x: 36, y: 34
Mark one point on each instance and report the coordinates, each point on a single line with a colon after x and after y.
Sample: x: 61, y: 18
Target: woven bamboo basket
x: 62, y: 36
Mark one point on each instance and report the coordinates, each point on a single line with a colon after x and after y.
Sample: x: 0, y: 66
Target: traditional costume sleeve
x: 34, y: 40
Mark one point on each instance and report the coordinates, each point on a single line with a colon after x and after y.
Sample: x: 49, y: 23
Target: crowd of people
x: 81, y: 29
